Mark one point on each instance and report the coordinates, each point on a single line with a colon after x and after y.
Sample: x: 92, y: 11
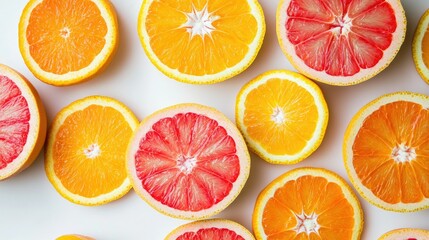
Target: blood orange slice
x: 406, y: 234
x: 22, y: 123
x: 340, y: 42
x: 213, y: 229
x: 188, y: 161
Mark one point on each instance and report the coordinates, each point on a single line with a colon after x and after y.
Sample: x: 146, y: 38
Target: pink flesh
x: 211, y: 234
x: 187, y: 136
x: 311, y: 27
x: 14, y: 121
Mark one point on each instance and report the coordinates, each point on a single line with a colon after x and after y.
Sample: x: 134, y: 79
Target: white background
x: 30, y: 208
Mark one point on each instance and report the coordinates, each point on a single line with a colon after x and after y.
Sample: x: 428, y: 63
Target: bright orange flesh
x: 259, y: 116
x: 392, y: 125
x: 73, y: 34
x: 203, y: 54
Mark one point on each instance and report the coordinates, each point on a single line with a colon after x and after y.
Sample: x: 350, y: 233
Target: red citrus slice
x: 213, y: 229
x: 22, y: 123
x: 340, y: 42
x: 406, y: 234
x: 188, y: 161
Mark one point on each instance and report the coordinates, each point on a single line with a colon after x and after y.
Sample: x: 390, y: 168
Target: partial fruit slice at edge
x: 386, y: 151
x: 201, y: 42
x: 420, y: 47
x: 74, y: 237
x: 22, y: 123
x: 340, y: 42
x: 188, y: 161
x: 68, y: 41
x: 406, y: 233
x: 213, y: 229
x: 282, y: 115
x: 307, y: 203
x: 86, y: 150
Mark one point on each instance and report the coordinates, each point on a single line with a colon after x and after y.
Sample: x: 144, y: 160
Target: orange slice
x: 64, y: 42
x: 282, y: 115
x: 86, y: 150
x: 188, y: 161
x: 420, y: 47
x: 74, y: 237
x: 386, y: 151
x: 340, y: 42
x: 406, y: 234
x: 22, y: 123
x: 212, y: 229
x: 201, y: 42
x: 307, y: 203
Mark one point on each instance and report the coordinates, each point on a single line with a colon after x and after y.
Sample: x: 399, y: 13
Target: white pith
x: 92, y: 151
x: 278, y: 115
x: 403, y: 153
x: 307, y: 223
x: 200, y: 22
x: 65, y: 32
x: 343, y: 25
x: 186, y: 164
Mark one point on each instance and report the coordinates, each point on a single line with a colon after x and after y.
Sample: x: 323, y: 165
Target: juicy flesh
x: 425, y: 48
x: 391, y: 152
x: 14, y: 121
x: 89, y: 151
x: 340, y: 37
x: 212, y: 167
x: 212, y: 233
x: 314, y: 198
x: 200, y: 37
x: 281, y: 116
x: 65, y: 36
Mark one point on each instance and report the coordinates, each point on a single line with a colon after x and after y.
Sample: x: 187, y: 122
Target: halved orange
x: 86, y: 150
x: 386, y: 151
x: 406, y: 234
x: 22, y: 123
x: 64, y: 42
x: 307, y: 203
x: 201, y: 42
x: 282, y: 115
x: 420, y: 47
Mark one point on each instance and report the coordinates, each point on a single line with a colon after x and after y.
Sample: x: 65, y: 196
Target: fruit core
x: 186, y: 164
x: 278, y: 115
x: 200, y: 22
x: 306, y: 223
x: 65, y: 32
x: 92, y: 151
x: 342, y: 25
x: 403, y: 153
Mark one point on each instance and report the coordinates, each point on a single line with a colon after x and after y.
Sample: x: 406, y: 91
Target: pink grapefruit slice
x: 188, y: 161
x: 213, y: 229
x: 406, y: 234
x: 340, y: 42
x: 22, y: 123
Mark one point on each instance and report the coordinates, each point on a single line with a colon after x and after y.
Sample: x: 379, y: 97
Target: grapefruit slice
x: 213, y: 229
x: 406, y: 234
x: 22, y: 123
x: 188, y: 161
x: 86, y: 150
x: 340, y: 42
x: 65, y: 42
x: 74, y: 237
x: 307, y: 203
x: 386, y: 151
x: 420, y: 47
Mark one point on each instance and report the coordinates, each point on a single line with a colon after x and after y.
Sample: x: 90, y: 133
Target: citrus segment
x: 385, y: 151
x: 201, y: 41
x: 213, y: 229
x: 188, y: 161
x: 282, y: 115
x: 66, y: 42
x: 406, y: 233
x: 307, y: 203
x: 22, y: 123
x: 340, y: 42
x: 420, y: 47
x: 85, y: 154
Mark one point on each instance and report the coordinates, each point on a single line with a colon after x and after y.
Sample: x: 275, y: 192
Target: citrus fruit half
x: 420, y: 47
x: 201, y: 42
x: 340, y: 42
x: 188, y: 161
x: 74, y: 237
x: 22, y: 123
x: 406, y: 234
x: 64, y: 42
x: 86, y: 150
x: 386, y: 151
x: 282, y: 115
x: 213, y: 229
x: 307, y: 203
